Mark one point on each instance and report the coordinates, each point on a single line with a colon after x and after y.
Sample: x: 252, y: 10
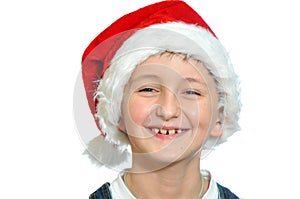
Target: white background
x: 41, y: 45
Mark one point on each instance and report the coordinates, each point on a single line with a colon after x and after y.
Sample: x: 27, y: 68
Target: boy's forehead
x: 171, y: 65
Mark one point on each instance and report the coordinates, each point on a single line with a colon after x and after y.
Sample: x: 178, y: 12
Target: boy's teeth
x: 171, y: 132
x: 166, y: 132
x: 155, y: 130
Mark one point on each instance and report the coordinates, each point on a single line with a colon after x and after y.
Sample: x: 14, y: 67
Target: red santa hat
x: 111, y: 57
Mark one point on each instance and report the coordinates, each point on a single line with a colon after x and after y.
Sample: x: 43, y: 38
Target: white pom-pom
x: 104, y: 153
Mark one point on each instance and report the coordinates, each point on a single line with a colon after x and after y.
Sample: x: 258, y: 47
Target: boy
x: 163, y: 90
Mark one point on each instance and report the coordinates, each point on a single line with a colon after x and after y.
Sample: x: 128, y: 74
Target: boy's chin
x: 152, y: 161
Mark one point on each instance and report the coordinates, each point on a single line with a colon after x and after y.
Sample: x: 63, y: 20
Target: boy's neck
x: 178, y: 180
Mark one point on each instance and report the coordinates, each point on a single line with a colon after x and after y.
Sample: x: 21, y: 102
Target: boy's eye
x: 149, y: 90
x: 192, y: 92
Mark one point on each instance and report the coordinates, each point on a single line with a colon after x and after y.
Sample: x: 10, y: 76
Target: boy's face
x: 169, y: 108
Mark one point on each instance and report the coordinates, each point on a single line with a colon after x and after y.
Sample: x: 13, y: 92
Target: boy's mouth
x: 166, y: 131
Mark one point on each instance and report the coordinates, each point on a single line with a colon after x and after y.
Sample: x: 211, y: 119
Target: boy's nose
x: 169, y: 106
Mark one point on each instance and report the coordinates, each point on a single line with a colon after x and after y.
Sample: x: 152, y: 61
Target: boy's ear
x: 121, y: 125
x: 217, y: 130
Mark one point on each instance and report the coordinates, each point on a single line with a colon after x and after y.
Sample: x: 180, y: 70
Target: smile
x: 166, y: 131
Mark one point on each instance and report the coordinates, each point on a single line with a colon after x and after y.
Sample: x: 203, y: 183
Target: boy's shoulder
x: 104, y: 192
x: 225, y: 193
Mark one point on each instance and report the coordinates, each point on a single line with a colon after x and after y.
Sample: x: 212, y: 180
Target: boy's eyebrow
x: 191, y: 79
x: 145, y: 76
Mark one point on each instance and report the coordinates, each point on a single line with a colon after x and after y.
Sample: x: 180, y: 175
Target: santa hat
x: 111, y: 57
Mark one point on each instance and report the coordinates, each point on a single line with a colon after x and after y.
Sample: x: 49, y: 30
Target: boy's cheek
x: 137, y: 112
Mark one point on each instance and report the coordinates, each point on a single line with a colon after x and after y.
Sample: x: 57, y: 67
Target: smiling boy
x: 166, y: 92
x: 169, y: 105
